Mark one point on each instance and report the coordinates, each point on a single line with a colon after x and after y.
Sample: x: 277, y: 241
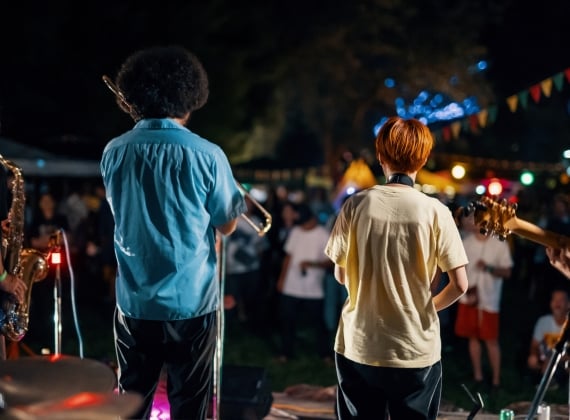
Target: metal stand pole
x: 559, y: 350
x: 57, y: 310
x: 217, y: 391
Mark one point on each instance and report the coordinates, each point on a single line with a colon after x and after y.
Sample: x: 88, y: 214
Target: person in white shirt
x: 300, y: 284
x: 477, y: 319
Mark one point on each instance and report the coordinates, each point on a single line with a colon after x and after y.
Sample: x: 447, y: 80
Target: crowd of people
x: 371, y: 278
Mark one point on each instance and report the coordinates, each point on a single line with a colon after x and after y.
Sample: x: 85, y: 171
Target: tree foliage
x: 274, y: 67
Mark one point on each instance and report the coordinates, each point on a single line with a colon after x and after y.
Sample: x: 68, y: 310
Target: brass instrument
x: 122, y: 100
x: 260, y: 229
x: 28, y: 264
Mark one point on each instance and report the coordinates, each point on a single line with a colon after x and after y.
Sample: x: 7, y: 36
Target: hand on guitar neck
x: 498, y: 218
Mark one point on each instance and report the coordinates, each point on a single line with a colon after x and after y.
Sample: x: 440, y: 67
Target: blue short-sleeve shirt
x: 168, y: 188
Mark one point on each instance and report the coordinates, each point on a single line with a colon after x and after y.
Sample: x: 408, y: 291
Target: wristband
x: 3, y: 275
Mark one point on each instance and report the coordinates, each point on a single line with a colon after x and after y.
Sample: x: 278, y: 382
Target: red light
x: 56, y: 258
x: 495, y: 187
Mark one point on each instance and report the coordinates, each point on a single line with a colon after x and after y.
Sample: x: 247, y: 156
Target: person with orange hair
x: 389, y: 245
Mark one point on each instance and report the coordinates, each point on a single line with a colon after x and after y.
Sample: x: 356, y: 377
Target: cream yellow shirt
x: 390, y: 240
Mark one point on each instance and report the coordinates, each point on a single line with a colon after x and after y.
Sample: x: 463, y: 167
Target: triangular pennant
x: 436, y: 134
x: 512, y: 102
x: 474, y: 123
x: 535, y: 92
x: 482, y: 117
x: 456, y: 129
x: 446, y: 131
x: 567, y: 74
x: 546, y: 87
x: 558, y: 80
x: 523, y: 98
x: 493, y: 110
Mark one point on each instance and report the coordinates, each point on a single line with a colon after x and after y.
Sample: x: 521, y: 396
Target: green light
x: 527, y: 178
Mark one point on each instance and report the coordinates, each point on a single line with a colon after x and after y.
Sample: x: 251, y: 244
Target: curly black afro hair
x: 163, y: 81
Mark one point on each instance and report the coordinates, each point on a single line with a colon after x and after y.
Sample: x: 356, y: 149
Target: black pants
x: 370, y: 392
x: 296, y: 312
x: 185, y: 348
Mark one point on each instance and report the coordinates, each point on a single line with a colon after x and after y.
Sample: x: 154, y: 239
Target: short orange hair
x: 404, y: 144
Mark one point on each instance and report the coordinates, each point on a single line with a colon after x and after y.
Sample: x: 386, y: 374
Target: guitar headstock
x: 492, y: 216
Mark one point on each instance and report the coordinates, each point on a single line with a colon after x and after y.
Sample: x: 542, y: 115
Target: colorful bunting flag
x: 482, y: 117
x: 456, y: 129
x: 535, y: 92
x: 512, y: 102
x: 558, y: 80
x: 489, y: 115
x: 546, y: 87
x: 523, y: 98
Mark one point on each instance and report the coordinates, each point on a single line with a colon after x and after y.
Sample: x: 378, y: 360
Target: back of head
x: 164, y: 81
x: 305, y: 213
x: 404, y: 144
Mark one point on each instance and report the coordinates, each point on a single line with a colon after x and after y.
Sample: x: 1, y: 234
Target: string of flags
x: 474, y: 122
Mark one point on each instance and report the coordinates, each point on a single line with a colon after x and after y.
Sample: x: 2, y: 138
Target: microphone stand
x: 55, y: 248
x: 558, y: 352
x: 57, y: 310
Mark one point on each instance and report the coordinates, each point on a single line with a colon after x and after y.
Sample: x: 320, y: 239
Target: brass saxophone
x: 28, y: 264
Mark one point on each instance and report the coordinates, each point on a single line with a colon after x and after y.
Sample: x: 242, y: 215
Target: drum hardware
x: 29, y: 380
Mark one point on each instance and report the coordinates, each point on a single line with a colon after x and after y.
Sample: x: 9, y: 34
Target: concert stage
x: 68, y: 387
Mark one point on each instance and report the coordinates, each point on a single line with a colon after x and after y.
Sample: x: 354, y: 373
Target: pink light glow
x: 160, y: 407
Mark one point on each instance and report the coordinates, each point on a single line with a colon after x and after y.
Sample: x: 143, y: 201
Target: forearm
x: 283, y: 272
x: 498, y: 271
x: 447, y: 296
x: 456, y: 287
x: 339, y: 274
x: 560, y: 259
x: 324, y: 264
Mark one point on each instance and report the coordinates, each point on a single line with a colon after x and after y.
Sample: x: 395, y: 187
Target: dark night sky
x: 54, y: 54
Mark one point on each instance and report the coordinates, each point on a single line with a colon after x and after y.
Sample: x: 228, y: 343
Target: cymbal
x: 30, y: 380
x: 81, y: 406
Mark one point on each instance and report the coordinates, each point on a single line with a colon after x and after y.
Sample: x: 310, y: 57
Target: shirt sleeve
x: 226, y: 201
x: 337, y: 245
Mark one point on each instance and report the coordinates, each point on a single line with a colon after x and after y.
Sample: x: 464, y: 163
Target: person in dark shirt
x: 46, y: 222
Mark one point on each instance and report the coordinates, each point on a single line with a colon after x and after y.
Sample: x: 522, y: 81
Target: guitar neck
x: 536, y: 234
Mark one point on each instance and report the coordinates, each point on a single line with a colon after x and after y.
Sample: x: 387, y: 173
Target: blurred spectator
x: 545, y: 336
x: 106, y: 226
x: 477, y: 318
x: 45, y: 223
x: 548, y: 278
x: 335, y: 293
x: 320, y: 204
x: 75, y: 209
x: 244, y: 251
x: 300, y: 284
x: 285, y: 216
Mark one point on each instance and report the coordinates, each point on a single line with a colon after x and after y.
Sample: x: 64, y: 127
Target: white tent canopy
x: 34, y: 161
